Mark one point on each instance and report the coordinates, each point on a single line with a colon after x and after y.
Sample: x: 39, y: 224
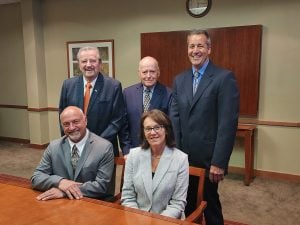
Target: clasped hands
x: 65, y: 187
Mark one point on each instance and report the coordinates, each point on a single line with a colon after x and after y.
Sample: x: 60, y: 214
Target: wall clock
x: 198, y: 8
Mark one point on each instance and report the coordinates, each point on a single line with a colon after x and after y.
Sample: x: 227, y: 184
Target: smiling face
x: 74, y: 123
x: 148, y: 71
x: 198, y: 49
x: 154, y: 133
x: 89, y: 63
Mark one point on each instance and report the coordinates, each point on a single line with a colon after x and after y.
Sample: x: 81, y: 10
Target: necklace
x: 156, y: 157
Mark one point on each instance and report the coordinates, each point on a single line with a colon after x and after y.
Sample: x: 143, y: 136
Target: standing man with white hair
x: 141, y: 97
x: 99, y: 96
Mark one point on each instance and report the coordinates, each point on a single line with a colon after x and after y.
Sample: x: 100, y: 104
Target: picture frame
x: 106, y: 48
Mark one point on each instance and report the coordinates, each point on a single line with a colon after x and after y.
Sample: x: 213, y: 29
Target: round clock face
x: 198, y: 8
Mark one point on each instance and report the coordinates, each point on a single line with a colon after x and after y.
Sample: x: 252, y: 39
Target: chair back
x: 197, y: 215
x: 120, y: 167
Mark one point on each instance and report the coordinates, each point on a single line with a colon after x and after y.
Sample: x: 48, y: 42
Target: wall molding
x: 30, y: 109
x: 269, y: 123
x: 241, y: 120
x: 13, y: 106
x: 267, y: 174
x: 45, y: 109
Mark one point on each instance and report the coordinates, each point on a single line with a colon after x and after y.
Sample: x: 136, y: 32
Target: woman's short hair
x: 162, y: 119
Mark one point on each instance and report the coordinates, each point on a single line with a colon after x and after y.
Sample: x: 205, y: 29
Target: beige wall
x: 73, y: 20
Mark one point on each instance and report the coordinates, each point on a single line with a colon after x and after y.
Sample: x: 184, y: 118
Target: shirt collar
x: 80, y: 145
x: 151, y: 89
x: 93, y: 82
x: 202, y: 69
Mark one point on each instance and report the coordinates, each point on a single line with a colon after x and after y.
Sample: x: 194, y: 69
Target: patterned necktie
x: 147, y: 99
x: 74, y: 157
x: 87, y: 96
x: 197, y: 77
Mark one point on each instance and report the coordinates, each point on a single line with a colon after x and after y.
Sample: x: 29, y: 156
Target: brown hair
x: 200, y: 32
x: 162, y: 119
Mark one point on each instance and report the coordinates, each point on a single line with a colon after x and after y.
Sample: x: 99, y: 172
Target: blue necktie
x: 197, y: 77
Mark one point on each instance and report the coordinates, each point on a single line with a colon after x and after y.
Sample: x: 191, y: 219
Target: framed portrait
x: 106, y: 48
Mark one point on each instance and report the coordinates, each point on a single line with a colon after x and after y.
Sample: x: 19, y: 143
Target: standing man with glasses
x: 147, y: 95
x: 205, y: 112
x: 99, y: 96
x: 76, y: 165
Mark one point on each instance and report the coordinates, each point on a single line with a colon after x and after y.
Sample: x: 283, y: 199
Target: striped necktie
x: 147, y: 99
x: 197, y: 77
x: 74, y: 157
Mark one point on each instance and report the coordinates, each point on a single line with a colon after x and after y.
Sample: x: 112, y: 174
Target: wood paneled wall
x: 235, y: 48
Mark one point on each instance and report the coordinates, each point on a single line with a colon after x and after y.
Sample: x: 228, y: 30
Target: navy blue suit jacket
x: 205, y: 125
x: 106, y: 108
x: 133, y: 97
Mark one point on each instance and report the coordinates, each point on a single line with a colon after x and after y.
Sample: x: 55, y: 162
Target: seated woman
x: 156, y: 174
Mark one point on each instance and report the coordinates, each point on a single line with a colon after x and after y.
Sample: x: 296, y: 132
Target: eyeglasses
x: 155, y: 128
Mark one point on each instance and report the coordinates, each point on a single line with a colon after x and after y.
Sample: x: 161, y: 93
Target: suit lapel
x: 162, y: 168
x: 96, y: 91
x: 80, y: 90
x: 156, y: 97
x: 145, y: 160
x: 188, y: 85
x: 139, y: 92
x: 66, y: 151
x: 204, y: 83
x: 84, y: 155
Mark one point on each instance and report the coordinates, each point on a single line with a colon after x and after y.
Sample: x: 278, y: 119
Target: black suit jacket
x: 206, y: 124
x: 106, y: 108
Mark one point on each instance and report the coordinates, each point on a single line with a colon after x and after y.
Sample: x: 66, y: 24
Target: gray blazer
x: 166, y: 192
x: 94, y: 168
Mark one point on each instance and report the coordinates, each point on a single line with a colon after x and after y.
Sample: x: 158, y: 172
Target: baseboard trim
x: 267, y: 174
x: 24, y: 141
x: 16, y: 140
x: 39, y: 146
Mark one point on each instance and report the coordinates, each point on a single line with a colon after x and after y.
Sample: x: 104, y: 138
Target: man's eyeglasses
x: 154, y: 128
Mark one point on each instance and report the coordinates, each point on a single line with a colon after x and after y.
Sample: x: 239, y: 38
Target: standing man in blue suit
x: 104, y: 107
x: 136, y: 103
x: 205, y: 112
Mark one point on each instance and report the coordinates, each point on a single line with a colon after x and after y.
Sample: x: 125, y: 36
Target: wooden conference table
x: 18, y: 205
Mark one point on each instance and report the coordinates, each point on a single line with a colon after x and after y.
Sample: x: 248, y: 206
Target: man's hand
x: 53, y: 193
x: 71, y: 188
x: 216, y: 174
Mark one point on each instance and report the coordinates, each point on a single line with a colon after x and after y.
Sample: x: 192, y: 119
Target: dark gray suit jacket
x: 94, y: 168
x: 133, y: 97
x: 205, y: 125
x: 106, y: 108
x: 166, y: 192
